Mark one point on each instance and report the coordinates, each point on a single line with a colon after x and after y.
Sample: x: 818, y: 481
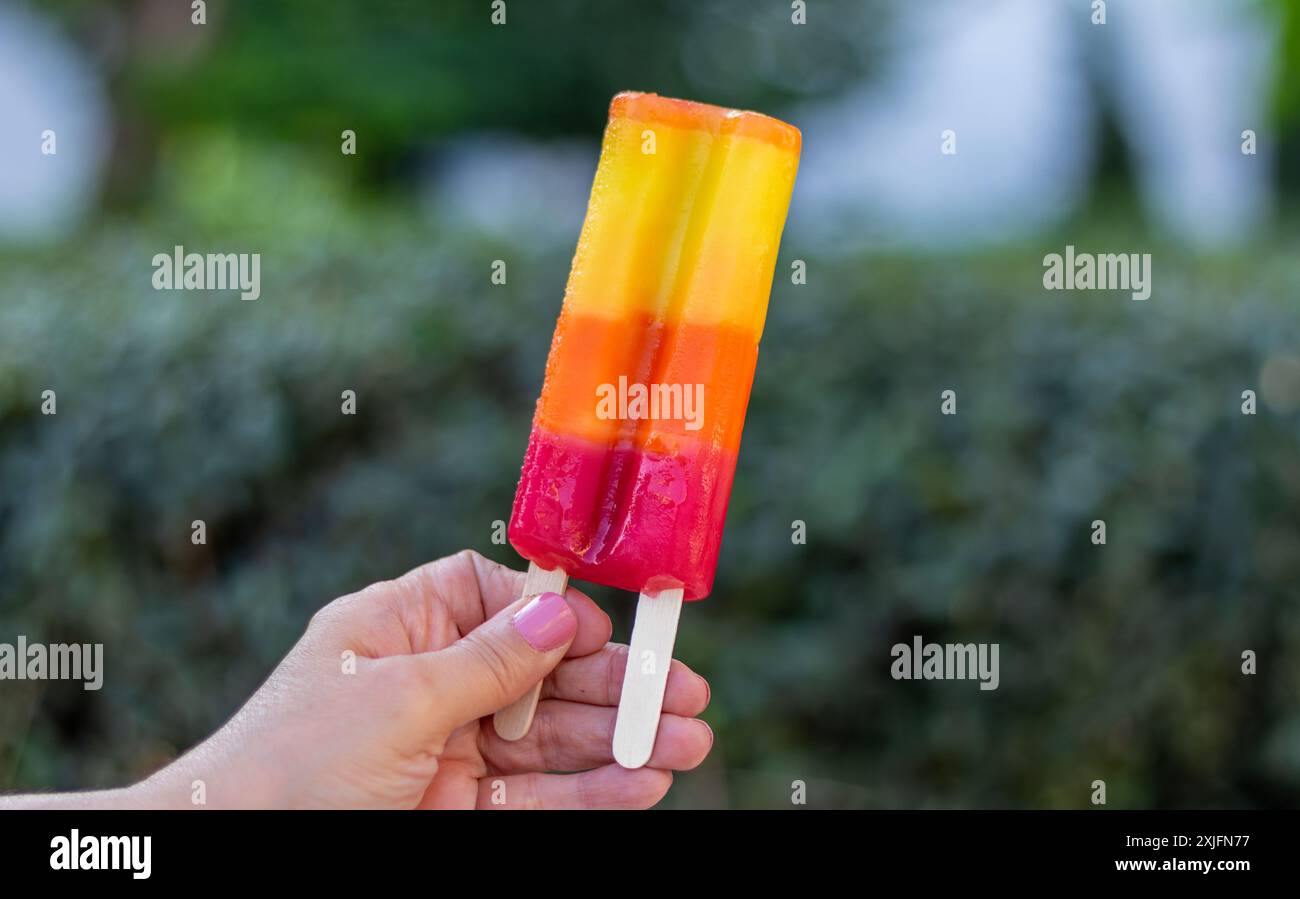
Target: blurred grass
x: 1119, y: 662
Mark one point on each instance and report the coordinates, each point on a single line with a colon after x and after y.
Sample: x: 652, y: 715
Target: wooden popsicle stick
x: 648, y: 660
x: 513, y: 721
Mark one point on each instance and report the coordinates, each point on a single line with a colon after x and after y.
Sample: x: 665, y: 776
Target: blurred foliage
x: 400, y: 73
x: 404, y: 76
x: 1119, y: 662
x: 1288, y: 82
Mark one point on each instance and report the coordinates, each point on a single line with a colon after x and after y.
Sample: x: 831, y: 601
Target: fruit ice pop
x: 666, y: 301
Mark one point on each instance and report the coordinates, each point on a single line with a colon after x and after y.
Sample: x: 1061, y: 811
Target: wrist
x: 85, y: 800
x: 162, y: 790
x: 199, y: 781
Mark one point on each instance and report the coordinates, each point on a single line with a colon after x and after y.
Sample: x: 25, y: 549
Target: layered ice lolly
x: 629, y: 465
x: 628, y: 469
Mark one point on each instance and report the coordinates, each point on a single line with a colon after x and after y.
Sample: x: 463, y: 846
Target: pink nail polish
x: 546, y: 622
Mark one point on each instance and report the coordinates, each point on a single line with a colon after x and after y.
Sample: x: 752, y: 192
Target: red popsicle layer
x: 629, y: 518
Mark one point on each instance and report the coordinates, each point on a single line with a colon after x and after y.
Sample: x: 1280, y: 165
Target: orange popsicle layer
x: 688, y: 114
x: 591, y: 352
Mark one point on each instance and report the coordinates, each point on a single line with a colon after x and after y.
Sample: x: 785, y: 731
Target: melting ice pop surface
x: 668, y: 290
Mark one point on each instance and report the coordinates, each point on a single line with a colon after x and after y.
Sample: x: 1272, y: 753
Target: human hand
x: 404, y: 722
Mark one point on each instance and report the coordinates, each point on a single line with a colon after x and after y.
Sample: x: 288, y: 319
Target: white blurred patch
x: 45, y: 84
x: 513, y: 187
x: 1008, y: 77
x: 1190, y: 76
x: 995, y: 73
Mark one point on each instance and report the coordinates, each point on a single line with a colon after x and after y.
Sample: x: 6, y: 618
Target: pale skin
x: 386, y: 702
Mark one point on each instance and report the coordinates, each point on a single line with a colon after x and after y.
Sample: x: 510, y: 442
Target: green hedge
x: 1118, y: 662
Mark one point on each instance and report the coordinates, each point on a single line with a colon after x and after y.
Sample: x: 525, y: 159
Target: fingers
x: 594, y: 626
x: 609, y: 787
x: 597, y: 679
x: 489, y: 668
x: 572, y: 736
x: 473, y: 589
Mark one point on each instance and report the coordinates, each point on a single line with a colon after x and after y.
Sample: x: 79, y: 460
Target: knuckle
x: 496, y: 662
x: 547, y: 739
x: 405, y: 679
x: 470, y: 561
x: 615, y: 672
x: 323, y: 618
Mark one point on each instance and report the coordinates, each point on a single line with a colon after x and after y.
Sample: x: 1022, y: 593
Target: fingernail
x: 708, y: 691
x: 546, y: 622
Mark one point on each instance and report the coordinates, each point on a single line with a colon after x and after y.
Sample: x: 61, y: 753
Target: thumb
x: 500, y: 660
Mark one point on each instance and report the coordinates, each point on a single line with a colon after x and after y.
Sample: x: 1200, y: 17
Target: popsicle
x: 629, y: 465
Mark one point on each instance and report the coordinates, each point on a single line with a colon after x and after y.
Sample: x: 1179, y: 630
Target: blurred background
x: 476, y: 142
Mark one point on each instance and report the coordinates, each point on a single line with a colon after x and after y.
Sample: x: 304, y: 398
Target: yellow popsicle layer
x: 685, y: 214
